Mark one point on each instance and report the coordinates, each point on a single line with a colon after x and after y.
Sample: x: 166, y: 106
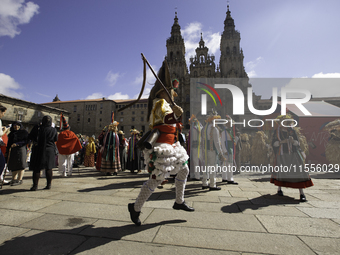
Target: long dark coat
x: 44, y: 149
x: 17, y: 157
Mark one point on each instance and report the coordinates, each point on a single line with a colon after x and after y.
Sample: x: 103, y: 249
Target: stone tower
x: 178, y: 67
x: 202, y: 65
x: 231, y: 60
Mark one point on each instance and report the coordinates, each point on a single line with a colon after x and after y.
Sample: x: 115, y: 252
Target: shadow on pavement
x: 63, y: 242
x: 258, y: 203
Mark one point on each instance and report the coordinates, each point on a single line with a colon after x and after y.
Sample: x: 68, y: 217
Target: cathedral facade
x: 202, y: 65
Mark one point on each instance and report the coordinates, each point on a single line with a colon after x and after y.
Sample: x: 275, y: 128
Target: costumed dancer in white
x: 212, y: 152
x: 195, y: 148
x: 166, y: 157
x: 228, y: 148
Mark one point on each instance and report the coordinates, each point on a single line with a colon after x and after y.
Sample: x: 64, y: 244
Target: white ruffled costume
x: 170, y: 159
x: 167, y: 159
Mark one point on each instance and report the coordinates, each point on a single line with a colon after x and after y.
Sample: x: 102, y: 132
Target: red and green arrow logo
x: 209, y: 93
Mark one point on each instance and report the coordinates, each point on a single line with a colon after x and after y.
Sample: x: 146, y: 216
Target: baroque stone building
x: 28, y: 113
x: 89, y: 117
x: 202, y: 65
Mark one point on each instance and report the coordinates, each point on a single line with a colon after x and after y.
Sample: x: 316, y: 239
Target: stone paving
x: 87, y: 214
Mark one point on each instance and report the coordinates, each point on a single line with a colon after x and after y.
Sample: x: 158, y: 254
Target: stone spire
x: 56, y: 99
x: 231, y: 61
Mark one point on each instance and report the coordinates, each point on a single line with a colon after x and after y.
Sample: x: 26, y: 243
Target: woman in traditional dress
x: 289, y: 169
x: 133, y: 162
x: 90, y: 151
x: 17, y: 152
x: 3, y: 131
x: 110, y: 163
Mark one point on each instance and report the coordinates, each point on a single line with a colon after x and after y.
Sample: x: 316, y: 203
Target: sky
x: 86, y: 49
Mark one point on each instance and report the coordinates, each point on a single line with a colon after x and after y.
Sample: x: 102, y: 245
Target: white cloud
x: 192, y: 35
x: 326, y: 75
x: 251, y: 74
x: 251, y: 65
x: 8, y: 86
x: 112, y: 78
x: 118, y: 95
x: 14, y: 13
x: 95, y: 95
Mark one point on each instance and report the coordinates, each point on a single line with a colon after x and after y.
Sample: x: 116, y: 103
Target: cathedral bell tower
x: 202, y: 65
x: 176, y: 51
x: 178, y: 68
x: 231, y: 60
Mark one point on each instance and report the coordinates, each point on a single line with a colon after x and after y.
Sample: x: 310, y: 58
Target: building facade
x: 28, y: 113
x: 134, y: 116
x: 89, y: 117
x: 202, y: 65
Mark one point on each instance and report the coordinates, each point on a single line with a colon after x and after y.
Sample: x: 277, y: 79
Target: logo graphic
x: 204, y: 97
x: 238, y: 99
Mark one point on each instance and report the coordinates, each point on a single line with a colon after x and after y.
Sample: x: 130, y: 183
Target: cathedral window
x: 234, y: 49
x: 171, y: 55
x: 228, y: 50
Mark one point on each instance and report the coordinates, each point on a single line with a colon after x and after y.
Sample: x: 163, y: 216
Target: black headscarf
x: 19, y: 137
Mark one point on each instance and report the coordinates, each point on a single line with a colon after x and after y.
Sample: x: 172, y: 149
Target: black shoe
x: 48, y: 187
x: 280, y: 193
x: 108, y: 174
x: 232, y: 182
x: 34, y: 188
x: 214, y: 188
x: 303, y: 198
x: 183, y: 206
x: 205, y: 187
x: 15, y: 183
x: 134, y: 215
x: 115, y: 173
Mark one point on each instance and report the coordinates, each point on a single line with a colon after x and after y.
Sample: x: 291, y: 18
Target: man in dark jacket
x: 44, y: 137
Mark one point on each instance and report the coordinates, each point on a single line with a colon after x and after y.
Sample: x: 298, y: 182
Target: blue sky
x: 82, y: 49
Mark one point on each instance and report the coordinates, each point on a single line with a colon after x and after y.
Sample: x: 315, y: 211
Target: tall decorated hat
x: 212, y: 116
x: 113, y: 122
x: 63, y: 123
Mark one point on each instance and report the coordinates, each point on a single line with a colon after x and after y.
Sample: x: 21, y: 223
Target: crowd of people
x: 45, y: 148
x: 206, y: 147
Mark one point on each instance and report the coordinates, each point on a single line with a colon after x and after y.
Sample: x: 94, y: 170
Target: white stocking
x: 180, y: 182
x: 147, y: 189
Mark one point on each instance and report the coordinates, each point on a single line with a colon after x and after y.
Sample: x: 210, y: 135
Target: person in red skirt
x: 289, y: 168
